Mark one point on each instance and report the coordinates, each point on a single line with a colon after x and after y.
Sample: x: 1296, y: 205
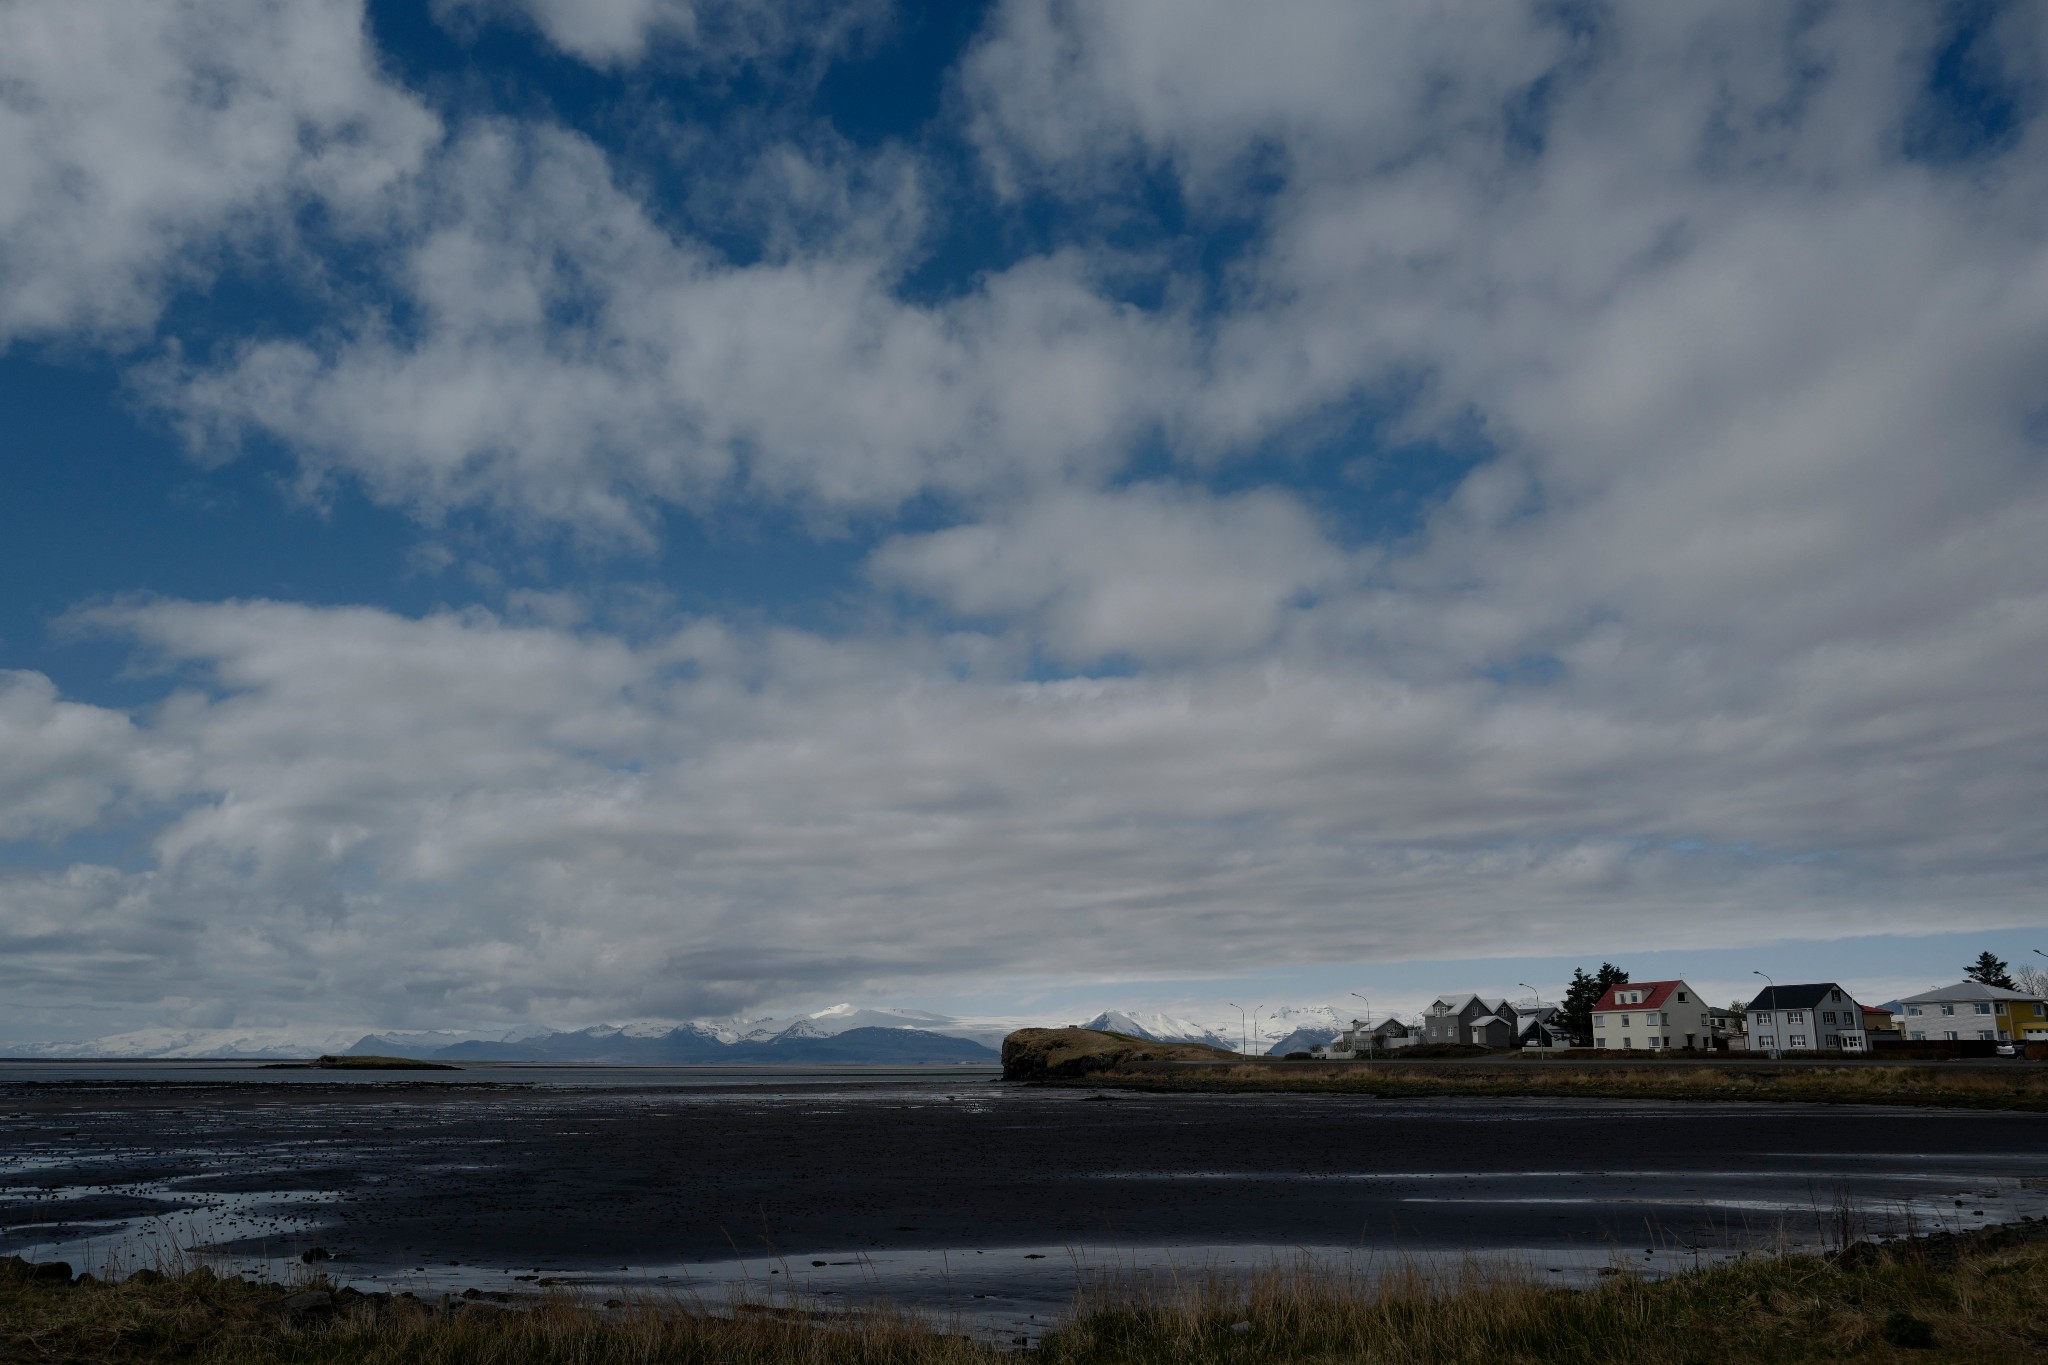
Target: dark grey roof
x: 1804, y: 996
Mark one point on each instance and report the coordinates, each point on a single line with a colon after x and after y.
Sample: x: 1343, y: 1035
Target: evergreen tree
x: 1989, y: 970
x: 1575, y: 1017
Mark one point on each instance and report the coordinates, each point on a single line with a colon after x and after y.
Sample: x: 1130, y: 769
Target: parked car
x: 2012, y: 1049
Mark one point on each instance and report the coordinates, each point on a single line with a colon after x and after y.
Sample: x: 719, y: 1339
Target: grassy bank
x: 1981, y: 1298
x: 1082, y: 1056
x: 2021, y: 1087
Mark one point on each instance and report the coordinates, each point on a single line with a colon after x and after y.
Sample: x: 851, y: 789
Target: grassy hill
x: 1040, y: 1054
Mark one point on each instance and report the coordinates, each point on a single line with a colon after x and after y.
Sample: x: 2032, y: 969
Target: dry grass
x: 2018, y: 1087
x: 1984, y: 1298
x: 1988, y: 1306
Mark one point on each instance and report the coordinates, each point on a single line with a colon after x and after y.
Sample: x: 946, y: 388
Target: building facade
x: 1655, y: 1016
x: 1366, y: 1040
x: 1973, y: 1010
x: 1806, y: 1017
x: 1469, y: 1019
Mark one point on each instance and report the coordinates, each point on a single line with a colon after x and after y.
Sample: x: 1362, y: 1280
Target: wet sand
x: 462, y: 1181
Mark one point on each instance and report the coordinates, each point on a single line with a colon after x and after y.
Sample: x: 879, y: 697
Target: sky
x: 560, y: 511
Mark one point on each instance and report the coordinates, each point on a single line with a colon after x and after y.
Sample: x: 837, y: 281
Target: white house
x: 1973, y: 1010
x: 1808, y: 1017
x: 1654, y: 1016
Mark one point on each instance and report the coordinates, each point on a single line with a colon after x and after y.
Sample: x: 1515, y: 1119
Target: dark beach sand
x: 517, y: 1178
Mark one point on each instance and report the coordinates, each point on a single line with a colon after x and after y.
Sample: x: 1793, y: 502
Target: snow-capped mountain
x: 258, y: 1044
x: 1160, y: 1028
x: 635, y: 1040
x: 1303, y: 1040
x: 1278, y: 1029
x: 880, y: 1033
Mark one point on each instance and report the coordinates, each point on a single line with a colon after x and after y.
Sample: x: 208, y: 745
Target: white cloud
x: 65, y: 763
x: 1154, y: 573
x: 140, y: 139
x: 617, y: 32
x: 571, y: 361
x: 456, y: 819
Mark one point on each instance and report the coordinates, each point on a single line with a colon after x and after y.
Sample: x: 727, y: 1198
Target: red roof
x: 1655, y: 993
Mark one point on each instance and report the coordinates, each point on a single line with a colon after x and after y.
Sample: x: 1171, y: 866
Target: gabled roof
x: 1458, y: 1004
x: 1803, y: 996
x: 1966, y: 990
x: 1655, y: 994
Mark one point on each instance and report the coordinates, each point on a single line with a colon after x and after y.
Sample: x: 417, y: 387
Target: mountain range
x: 842, y: 1033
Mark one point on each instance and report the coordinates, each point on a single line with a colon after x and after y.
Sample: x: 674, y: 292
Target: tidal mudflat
x: 992, y: 1199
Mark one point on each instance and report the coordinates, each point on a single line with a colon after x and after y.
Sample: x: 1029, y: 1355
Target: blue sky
x: 519, y: 511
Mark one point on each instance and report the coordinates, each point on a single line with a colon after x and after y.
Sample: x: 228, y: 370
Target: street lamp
x: 1368, y: 1024
x: 1775, y: 1053
x: 1242, y: 1047
x: 1539, y: 1012
x: 1255, y: 1025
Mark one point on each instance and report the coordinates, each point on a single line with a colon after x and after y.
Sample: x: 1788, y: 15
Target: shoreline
x: 1979, y: 1294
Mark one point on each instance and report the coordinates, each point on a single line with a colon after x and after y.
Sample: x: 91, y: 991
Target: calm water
x: 14, y: 1071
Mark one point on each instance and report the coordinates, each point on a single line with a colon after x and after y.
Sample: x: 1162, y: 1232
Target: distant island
x: 365, y: 1062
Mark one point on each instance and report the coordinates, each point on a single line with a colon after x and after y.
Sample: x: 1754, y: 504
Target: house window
x: 1950, y: 1034
x: 1681, y: 997
x: 1628, y: 1042
x: 1767, y: 1040
x: 1918, y: 1035
x: 1948, y: 1009
x: 1624, y: 1021
x: 1795, y: 1016
x: 1913, y: 1010
x: 1600, y: 1041
x: 1796, y: 1040
x: 1983, y: 1007
x: 1665, y: 1020
x: 1828, y: 1017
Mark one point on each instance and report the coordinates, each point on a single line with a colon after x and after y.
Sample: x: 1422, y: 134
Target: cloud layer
x: 1729, y: 625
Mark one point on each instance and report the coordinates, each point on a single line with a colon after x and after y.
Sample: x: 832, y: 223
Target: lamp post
x: 1539, y: 1013
x: 1255, y: 1025
x: 1241, y: 1033
x: 1775, y: 1053
x: 1368, y: 1023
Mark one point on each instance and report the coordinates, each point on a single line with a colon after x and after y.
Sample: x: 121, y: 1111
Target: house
x: 1971, y: 1009
x: 1363, y: 1039
x: 1880, y: 1021
x: 1469, y: 1019
x: 1541, y: 1028
x: 1814, y: 1016
x: 1655, y: 1015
